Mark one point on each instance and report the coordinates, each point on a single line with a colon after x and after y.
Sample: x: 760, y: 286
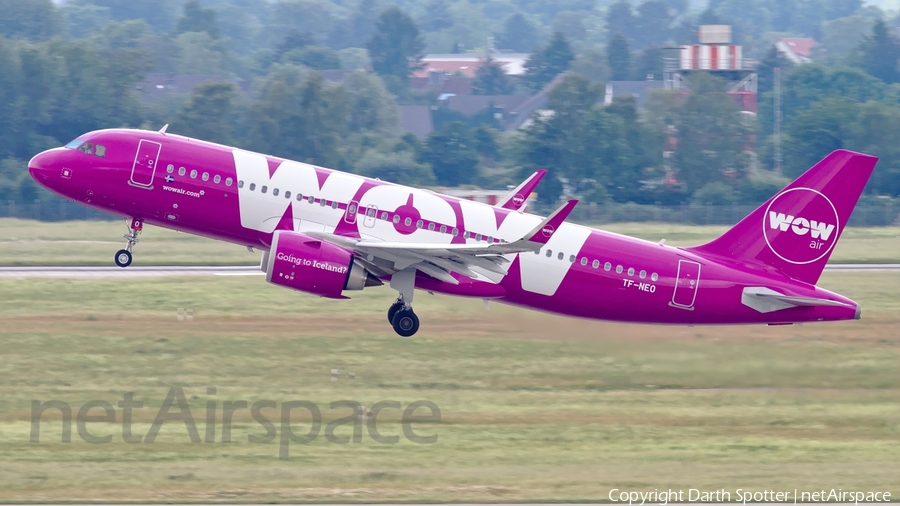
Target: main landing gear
x: 123, y: 256
x: 400, y: 314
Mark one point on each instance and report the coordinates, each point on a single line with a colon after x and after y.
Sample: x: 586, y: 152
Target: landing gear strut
x: 400, y: 314
x: 123, y: 256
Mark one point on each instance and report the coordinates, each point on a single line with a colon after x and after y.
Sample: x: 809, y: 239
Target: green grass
x: 28, y: 242
x: 534, y: 407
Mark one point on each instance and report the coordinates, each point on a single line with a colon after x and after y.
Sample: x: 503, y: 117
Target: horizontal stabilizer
x: 766, y: 300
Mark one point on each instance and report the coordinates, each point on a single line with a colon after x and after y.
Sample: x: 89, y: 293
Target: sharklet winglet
x: 542, y: 233
x: 522, y: 191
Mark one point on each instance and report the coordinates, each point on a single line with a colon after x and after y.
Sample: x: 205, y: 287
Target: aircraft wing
x: 441, y: 260
x: 516, y: 199
x: 766, y: 300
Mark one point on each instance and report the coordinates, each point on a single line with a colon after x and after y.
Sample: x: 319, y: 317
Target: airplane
x: 327, y: 232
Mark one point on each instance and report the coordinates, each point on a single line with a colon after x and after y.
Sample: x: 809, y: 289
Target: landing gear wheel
x: 397, y: 306
x: 405, y: 322
x: 123, y: 258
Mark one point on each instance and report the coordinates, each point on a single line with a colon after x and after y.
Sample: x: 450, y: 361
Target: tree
x: 879, y: 53
x: 437, y: 16
x: 570, y: 24
x: 297, y: 118
x: 371, y: 107
x: 491, y: 79
x: 294, y: 40
x: 159, y: 14
x: 619, y: 57
x: 649, y: 64
x: 652, y: 23
x: 518, y: 34
x: 620, y: 19
x: 208, y: 113
x: 711, y: 135
x: 314, y: 57
x: 549, y: 62
x: 29, y: 19
x: 198, y: 19
x: 451, y: 153
x: 395, y: 48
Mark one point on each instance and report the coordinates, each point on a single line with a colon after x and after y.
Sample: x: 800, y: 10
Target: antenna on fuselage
x: 163, y: 129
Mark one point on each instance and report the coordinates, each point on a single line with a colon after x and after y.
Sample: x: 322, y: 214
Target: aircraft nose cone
x: 38, y: 167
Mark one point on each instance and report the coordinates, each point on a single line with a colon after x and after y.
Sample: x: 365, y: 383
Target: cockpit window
x: 100, y: 150
x: 86, y: 148
x: 74, y: 144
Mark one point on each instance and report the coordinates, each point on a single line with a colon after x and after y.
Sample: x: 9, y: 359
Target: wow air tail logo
x: 801, y: 225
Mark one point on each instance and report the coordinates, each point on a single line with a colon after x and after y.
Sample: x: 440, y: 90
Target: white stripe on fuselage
x: 262, y: 212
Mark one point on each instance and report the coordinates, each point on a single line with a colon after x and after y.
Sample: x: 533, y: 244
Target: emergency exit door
x: 145, y: 164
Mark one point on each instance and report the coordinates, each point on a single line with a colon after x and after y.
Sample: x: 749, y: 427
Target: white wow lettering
x: 800, y: 226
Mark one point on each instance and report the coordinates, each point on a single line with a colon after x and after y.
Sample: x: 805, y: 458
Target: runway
x: 245, y: 270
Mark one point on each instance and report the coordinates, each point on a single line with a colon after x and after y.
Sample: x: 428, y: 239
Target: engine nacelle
x: 312, y: 265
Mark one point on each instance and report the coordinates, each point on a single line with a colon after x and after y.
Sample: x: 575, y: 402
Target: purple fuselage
x: 241, y: 197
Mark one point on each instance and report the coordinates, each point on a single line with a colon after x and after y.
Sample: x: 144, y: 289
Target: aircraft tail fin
x: 795, y: 231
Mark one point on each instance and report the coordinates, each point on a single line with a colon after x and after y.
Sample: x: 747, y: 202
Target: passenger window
x: 443, y: 229
x: 287, y: 194
x: 205, y: 176
x: 654, y: 277
x: 384, y: 216
x: 643, y: 274
x: 477, y: 237
x: 322, y: 202
x: 396, y: 219
x: 584, y: 261
x: 607, y: 266
x: 299, y: 197
x: 181, y: 171
x: 618, y: 269
x: 407, y: 221
x: 560, y: 256
x: 631, y: 271
x: 370, y: 213
x: 86, y: 148
x: 100, y: 150
x: 352, y: 207
x: 228, y: 181
x: 194, y: 174
x: 431, y: 227
x: 170, y: 169
x: 490, y: 239
x: 275, y: 192
x: 334, y: 205
x: 549, y: 253
x: 311, y: 199
x: 217, y: 179
x: 454, y: 232
x: 571, y: 259
x: 595, y: 264
x: 263, y: 189
x: 252, y: 186
x: 420, y: 224
x: 240, y: 183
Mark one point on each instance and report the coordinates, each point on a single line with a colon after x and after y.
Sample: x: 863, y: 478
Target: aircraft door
x: 350, y: 215
x: 686, y: 284
x: 145, y: 164
x: 371, y: 213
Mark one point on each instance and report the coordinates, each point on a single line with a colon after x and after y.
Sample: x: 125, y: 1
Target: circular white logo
x: 801, y: 225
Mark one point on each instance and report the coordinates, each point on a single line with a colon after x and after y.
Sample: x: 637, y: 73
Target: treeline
x: 72, y: 69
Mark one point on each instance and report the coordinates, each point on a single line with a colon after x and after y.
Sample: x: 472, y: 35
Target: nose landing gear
x: 123, y: 256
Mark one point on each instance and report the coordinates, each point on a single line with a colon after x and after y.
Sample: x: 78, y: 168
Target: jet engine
x: 307, y: 264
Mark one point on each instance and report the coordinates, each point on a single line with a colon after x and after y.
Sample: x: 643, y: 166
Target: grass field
x: 28, y: 242
x: 533, y: 407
